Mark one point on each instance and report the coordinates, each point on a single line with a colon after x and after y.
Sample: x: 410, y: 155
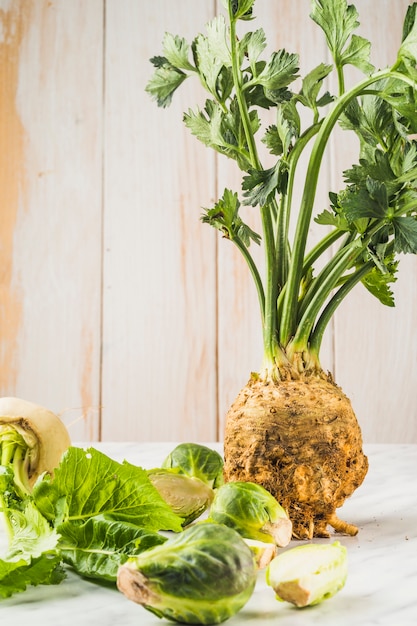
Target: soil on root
x: 299, y: 439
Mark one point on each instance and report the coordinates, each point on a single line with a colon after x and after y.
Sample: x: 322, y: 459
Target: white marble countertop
x: 381, y: 588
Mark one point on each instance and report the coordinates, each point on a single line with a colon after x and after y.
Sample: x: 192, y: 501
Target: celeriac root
x: 299, y: 439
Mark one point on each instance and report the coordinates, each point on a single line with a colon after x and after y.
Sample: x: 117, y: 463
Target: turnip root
x: 301, y: 441
x: 32, y: 438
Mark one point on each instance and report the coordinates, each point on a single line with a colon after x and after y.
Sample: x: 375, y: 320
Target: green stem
x: 285, y: 209
x: 255, y: 274
x: 328, y: 312
x: 319, y: 249
x: 328, y: 281
x: 7, y: 522
x: 271, y: 283
x: 289, y: 311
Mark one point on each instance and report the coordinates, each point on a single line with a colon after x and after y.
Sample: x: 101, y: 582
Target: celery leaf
x: 338, y: 20
x: 164, y: 82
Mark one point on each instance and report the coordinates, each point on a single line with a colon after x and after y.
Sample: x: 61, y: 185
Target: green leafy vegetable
x: 96, y: 548
x: 202, y: 576
x: 93, y: 515
x: 198, y: 461
x: 252, y: 511
x: 88, y: 483
x: 32, y: 557
x: 373, y: 219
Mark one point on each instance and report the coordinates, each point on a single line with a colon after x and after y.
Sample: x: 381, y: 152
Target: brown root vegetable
x: 301, y: 441
x: 42, y: 437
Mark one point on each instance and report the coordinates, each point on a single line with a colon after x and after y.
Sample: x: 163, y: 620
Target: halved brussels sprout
x: 194, y: 459
x: 308, y: 574
x: 203, y: 575
x: 188, y: 497
x: 252, y: 511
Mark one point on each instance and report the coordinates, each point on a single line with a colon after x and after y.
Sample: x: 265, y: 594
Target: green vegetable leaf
x: 327, y: 218
x: 16, y: 576
x: 357, y: 53
x: 338, y: 21
x: 241, y: 9
x: 176, y: 50
x: 408, y: 48
x: 252, y: 45
x: 260, y: 185
x: 369, y: 200
x: 32, y: 557
x: 405, y: 229
x: 88, y: 483
x: 164, y: 82
x: 224, y: 216
x: 279, y: 71
x: 211, y: 54
x: 311, y: 85
x: 378, y: 282
x: 97, y: 547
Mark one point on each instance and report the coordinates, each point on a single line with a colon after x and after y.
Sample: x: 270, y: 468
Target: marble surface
x: 381, y: 588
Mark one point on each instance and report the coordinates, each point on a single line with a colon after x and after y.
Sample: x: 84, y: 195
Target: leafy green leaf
x: 97, y: 547
x: 15, y: 576
x: 311, y: 85
x: 260, y: 185
x: 338, y: 20
x: 32, y: 533
x: 279, y: 71
x: 327, y: 218
x: 378, y: 283
x: 164, y: 82
x: 176, y: 51
x: 408, y: 48
x: 225, y: 217
x: 211, y: 53
x: 32, y: 557
x: 241, y: 9
x: 88, y: 483
x: 367, y: 201
x: 405, y: 229
x: 252, y: 45
x: 357, y: 53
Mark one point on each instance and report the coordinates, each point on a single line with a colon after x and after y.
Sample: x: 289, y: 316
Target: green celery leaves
x: 338, y: 21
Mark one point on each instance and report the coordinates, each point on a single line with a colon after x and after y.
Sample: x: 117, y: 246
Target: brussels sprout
x: 252, y: 511
x: 308, y: 574
x: 198, y: 461
x: 263, y: 552
x: 203, y: 575
x: 188, y: 497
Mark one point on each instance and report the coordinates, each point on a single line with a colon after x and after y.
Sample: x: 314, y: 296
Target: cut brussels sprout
x: 203, y: 575
x: 198, y: 461
x: 252, y: 511
x: 188, y: 497
x: 263, y: 552
x: 308, y: 574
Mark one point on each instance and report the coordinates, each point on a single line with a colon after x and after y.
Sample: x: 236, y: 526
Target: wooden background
x: 119, y: 310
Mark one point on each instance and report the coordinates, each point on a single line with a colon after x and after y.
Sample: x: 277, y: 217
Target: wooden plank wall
x: 118, y: 308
